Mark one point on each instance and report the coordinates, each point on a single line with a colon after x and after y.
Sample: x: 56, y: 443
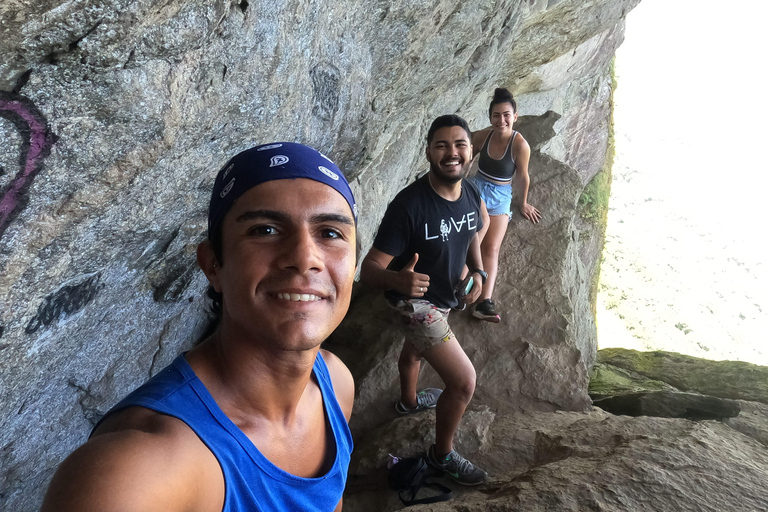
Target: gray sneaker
x: 426, y: 399
x: 457, y: 467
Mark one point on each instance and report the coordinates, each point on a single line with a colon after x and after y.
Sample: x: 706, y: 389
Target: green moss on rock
x: 594, y: 200
x: 608, y: 380
x: 724, y: 379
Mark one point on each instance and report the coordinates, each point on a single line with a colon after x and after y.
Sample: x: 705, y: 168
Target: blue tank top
x: 502, y: 169
x: 252, y: 482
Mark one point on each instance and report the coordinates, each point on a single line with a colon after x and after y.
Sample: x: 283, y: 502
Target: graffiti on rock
x: 37, y: 141
x: 325, y: 85
x: 68, y: 299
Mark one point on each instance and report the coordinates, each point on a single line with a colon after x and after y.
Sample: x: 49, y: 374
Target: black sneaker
x: 457, y: 467
x: 485, y: 310
x: 425, y: 399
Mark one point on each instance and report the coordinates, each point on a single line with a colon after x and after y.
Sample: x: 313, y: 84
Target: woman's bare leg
x: 490, y: 247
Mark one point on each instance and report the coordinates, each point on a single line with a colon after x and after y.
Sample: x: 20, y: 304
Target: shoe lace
x: 424, y: 399
x: 462, y: 465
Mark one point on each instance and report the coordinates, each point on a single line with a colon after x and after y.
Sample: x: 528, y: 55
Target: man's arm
x: 474, y: 257
x: 474, y: 262
x: 138, y: 470
x: 522, y: 153
x: 406, y: 281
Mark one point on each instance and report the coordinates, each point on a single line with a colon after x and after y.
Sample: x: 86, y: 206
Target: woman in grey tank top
x: 503, y: 163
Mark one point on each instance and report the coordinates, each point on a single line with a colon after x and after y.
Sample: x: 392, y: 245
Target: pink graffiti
x: 33, y: 126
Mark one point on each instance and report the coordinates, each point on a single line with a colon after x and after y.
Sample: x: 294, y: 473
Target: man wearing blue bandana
x: 254, y: 418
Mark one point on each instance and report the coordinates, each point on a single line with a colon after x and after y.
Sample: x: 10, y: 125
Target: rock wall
x: 116, y: 114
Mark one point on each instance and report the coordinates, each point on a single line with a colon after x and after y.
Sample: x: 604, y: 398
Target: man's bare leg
x: 409, y: 365
x: 456, y: 370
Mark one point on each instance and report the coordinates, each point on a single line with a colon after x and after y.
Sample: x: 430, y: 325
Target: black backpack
x: 407, y: 476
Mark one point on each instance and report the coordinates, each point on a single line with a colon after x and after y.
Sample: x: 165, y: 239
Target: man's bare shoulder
x: 138, y: 460
x: 343, y: 383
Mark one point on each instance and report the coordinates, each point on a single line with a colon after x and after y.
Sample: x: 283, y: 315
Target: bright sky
x: 686, y: 261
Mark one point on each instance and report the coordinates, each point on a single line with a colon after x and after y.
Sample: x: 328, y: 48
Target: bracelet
x: 483, y: 274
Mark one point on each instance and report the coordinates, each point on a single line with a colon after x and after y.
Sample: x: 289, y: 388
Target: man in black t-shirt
x: 427, y: 235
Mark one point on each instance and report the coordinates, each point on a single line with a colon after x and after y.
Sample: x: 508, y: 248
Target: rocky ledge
x: 570, y: 461
x: 596, y: 460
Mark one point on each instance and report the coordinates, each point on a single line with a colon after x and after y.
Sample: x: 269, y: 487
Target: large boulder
x: 736, y: 380
x: 573, y: 461
x: 116, y: 114
x: 641, y: 384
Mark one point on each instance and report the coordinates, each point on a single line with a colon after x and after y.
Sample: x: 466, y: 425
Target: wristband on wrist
x: 483, y: 274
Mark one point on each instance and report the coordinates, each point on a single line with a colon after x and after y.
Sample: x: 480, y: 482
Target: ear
x: 426, y: 151
x: 206, y: 260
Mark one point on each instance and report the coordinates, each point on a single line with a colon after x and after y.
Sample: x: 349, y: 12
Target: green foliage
x: 593, y: 203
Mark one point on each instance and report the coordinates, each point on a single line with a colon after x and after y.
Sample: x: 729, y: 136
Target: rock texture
x: 116, y: 115
x: 591, y: 460
x: 582, y: 461
x: 724, y: 379
x: 641, y: 383
x: 670, y: 404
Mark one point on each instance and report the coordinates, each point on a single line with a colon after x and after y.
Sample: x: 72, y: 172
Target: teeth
x: 298, y: 297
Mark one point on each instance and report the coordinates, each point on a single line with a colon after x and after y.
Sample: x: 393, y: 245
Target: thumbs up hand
x: 409, y: 282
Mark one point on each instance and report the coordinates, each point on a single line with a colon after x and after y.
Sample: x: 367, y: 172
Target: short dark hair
x: 447, y: 120
x: 502, y: 95
x: 214, y: 237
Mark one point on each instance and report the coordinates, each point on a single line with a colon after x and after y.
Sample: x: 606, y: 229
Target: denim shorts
x: 498, y: 198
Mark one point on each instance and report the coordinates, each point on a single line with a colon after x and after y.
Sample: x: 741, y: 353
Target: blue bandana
x: 275, y: 161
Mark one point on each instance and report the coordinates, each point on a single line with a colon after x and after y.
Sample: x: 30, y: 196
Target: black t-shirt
x: 419, y: 220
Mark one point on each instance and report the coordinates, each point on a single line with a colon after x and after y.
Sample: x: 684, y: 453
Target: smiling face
x: 289, y: 263
x: 448, y: 153
x: 503, y: 115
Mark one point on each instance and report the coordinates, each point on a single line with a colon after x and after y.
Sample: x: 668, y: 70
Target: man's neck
x: 448, y: 191
x: 251, y: 379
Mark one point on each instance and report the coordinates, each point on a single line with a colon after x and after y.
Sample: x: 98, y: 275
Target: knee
x: 463, y: 388
x: 490, y: 250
